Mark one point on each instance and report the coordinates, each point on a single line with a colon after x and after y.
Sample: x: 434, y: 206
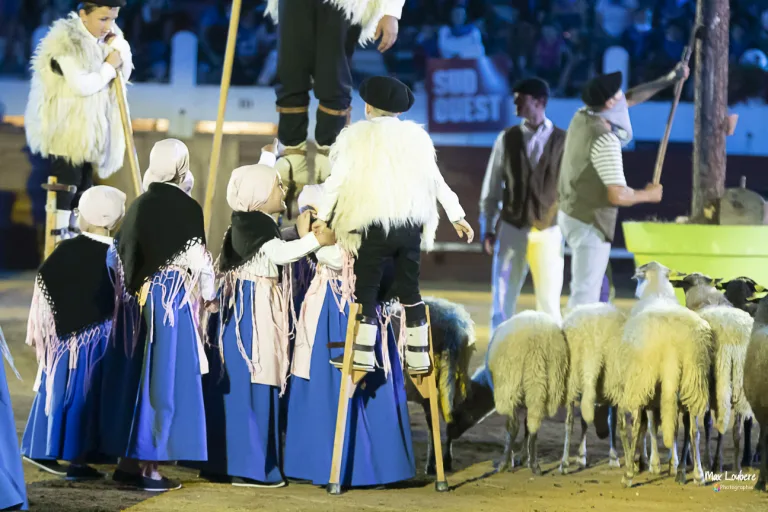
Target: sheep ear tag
x: 720, y: 285
x: 759, y: 288
x: 757, y: 296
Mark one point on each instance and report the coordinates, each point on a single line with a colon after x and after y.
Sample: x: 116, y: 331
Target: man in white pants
x: 520, y: 187
x: 592, y: 183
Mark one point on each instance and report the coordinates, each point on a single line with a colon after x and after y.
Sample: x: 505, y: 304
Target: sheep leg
x: 508, y: 458
x: 430, y: 468
x: 681, y: 477
x: 613, y: 456
x: 737, y: 426
x: 630, y: 474
x: 763, y: 444
x: 533, y: 453
x: 655, y: 465
x: 643, y: 435
x: 624, y: 436
x: 707, y: 428
x: 582, y: 461
x: 565, y: 462
x: 673, y: 461
x: 746, y: 460
x: 717, y: 464
x: 698, y: 473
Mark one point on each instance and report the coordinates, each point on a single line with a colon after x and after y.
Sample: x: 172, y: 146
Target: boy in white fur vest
x: 316, y: 39
x: 72, y: 117
x: 382, y: 194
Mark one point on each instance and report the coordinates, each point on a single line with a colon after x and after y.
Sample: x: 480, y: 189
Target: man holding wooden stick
x: 316, y: 39
x: 592, y: 185
x: 73, y: 116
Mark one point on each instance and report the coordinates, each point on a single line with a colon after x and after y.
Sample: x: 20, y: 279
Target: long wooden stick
x: 130, y: 144
x: 687, y: 52
x: 226, y: 77
x: 50, y: 216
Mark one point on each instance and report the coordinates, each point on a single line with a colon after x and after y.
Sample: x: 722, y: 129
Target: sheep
x: 756, y: 384
x: 528, y: 363
x: 737, y: 291
x: 597, y: 358
x: 453, y: 339
x: 731, y: 329
x: 669, y: 356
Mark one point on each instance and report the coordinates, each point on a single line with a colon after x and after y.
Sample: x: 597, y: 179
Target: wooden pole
x: 711, y: 110
x: 130, y: 144
x: 50, y: 217
x: 226, y: 77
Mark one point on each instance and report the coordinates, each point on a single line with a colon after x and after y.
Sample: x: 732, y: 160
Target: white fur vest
x: 390, y: 177
x: 366, y: 13
x: 59, y: 121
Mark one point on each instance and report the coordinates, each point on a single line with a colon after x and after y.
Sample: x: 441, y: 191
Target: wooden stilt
x: 51, y: 231
x: 130, y: 144
x: 426, y: 383
x: 218, y: 137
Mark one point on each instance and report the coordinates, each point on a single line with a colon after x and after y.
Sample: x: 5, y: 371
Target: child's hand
x: 462, y: 227
x: 326, y: 237
x: 318, y: 226
x: 302, y: 223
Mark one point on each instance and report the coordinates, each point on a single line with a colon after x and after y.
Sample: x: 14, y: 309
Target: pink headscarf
x: 250, y: 186
x: 168, y: 160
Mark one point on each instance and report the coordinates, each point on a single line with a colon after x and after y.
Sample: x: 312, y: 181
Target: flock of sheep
x: 707, y: 360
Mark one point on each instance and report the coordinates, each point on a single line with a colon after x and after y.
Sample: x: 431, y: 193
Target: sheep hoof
x: 760, y: 486
x: 614, y: 463
x: 564, y: 467
x: 680, y: 478
x: 672, y: 468
x: 626, y: 481
x: 581, y: 460
x: 536, y: 470
x: 700, y: 481
x: 655, y: 469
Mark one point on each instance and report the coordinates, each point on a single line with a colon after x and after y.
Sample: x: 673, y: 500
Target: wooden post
x: 711, y: 110
x: 130, y: 145
x: 50, y: 217
x: 226, y: 77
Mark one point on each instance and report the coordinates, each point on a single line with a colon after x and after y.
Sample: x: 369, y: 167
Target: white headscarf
x: 310, y: 196
x: 187, y: 183
x: 168, y: 160
x: 250, y: 186
x: 102, y: 206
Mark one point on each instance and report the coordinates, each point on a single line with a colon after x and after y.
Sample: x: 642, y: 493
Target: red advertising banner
x: 468, y: 95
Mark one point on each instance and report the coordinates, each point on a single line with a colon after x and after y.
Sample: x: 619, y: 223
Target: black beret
x: 387, y: 93
x: 600, y: 89
x: 535, y: 87
x: 105, y: 3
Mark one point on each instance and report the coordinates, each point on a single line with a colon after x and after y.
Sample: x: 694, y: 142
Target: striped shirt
x: 606, y: 158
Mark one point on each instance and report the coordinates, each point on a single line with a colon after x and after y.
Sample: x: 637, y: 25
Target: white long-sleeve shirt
x: 491, y: 194
x: 394, y: 8
x: 86, y: 83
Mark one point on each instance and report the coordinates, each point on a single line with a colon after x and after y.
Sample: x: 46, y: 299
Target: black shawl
x: 77, y: 285
x: 244, y: 238
x: 159, y: 225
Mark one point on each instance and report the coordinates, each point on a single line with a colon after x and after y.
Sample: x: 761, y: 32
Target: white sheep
x: 756, y: 384
x: 528, y: 362
x: 669, y: 358
x: 593, y: 333
x: 731, y: 330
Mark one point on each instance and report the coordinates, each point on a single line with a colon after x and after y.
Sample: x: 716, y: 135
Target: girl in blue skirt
x: 70, y: 323
x: 242, y: 399
x: 166, y: 270
x: 377, y: 448
x: 13, y: 493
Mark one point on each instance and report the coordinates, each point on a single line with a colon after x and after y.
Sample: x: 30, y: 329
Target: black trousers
x: 314, y: 49
x: 66, y: 173
x: 401, y: 248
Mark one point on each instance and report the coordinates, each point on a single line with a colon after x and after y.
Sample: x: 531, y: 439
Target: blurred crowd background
x: 562, y: 41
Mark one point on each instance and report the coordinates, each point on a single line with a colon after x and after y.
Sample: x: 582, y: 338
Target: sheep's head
x: 688, y: 281
x: 650, y: 270
x: 653, y: 280
x: 740, y: 290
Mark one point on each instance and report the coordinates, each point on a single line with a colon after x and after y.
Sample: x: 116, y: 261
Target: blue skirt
x: 159, y: 413
x: 12, y: 489
x: 72, y: 431
x: 241, y: 417
x: 377, y: 447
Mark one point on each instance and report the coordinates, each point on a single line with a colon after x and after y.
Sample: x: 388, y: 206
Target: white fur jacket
x: 384, y: 171
x: 73, y: 113
x: 366, y: 13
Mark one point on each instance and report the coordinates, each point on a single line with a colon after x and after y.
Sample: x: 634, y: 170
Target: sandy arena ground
x: 475, y: 486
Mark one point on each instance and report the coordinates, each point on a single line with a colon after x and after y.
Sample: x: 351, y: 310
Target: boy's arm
x: 448, y: 199
x: 331, y: 189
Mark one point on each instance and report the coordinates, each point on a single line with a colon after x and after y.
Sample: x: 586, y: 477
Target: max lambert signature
x: 729, y: 477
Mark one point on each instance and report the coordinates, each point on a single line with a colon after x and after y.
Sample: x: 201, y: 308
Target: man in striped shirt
x: 592, y: 184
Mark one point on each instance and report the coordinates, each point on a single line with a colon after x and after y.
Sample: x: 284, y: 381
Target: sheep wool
x: 731, y: 330
x: 594, y: 336
x: 671, y: 345
x: 756, y: 373
x: 528, y: 361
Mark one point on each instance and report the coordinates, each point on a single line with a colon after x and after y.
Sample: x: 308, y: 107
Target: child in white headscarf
x: 70, y: 323
x: 169, y: 158
x: 253, y: 329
